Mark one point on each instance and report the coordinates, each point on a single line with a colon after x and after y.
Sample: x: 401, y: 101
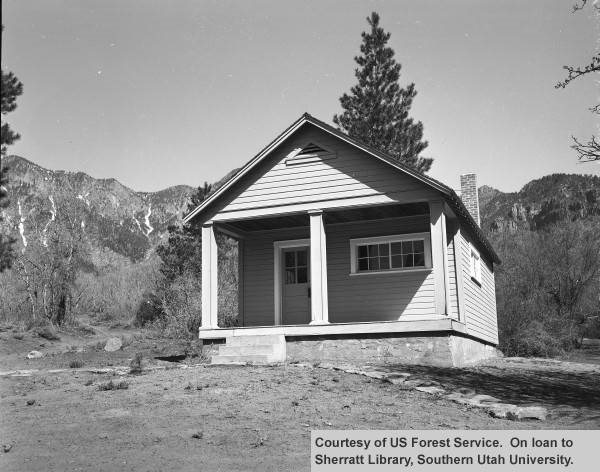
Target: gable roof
x: 448, y: 193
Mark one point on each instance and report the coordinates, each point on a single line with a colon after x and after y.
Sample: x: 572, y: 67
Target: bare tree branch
x: 576, y: 72
x: 588, y: 152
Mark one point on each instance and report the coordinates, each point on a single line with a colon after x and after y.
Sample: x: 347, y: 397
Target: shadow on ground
x: 558, y: 389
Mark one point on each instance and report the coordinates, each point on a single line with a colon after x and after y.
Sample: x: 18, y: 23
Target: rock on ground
x: 34, y: 355
x: 113, y: 344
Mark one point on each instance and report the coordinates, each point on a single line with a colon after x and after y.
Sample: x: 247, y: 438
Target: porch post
x: 209, y: 277
x: 318, y: 269
x: 439, y: 257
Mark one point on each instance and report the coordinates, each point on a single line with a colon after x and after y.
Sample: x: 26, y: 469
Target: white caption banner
x: 454, y: 450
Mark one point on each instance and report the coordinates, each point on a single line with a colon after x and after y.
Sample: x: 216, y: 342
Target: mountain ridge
x: 131, y: 222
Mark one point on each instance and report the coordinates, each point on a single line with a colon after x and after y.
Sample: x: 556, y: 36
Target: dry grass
x: 110, y: 385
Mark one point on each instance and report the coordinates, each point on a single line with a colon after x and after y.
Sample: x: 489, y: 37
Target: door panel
x: 296, y: 286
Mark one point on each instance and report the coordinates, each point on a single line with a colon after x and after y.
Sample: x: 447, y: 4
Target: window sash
x: 475, y: 264
x: 390, y: 255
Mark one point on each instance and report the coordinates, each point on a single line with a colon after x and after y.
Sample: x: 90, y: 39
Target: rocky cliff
x: 553, y: 198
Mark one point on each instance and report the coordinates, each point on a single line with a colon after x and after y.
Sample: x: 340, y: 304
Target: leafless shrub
x: 110, y: 385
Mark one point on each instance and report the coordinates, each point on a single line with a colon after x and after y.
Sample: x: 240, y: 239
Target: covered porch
x: 301, y: 274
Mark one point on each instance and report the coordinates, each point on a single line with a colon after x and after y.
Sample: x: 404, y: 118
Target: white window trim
x: 475, y: 271
x: 292, y: 159
x: 354, y: 243
x: 278, y: 246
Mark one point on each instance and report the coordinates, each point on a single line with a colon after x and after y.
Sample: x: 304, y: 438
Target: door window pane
x: 302, y: 258
x: 290, y: 260
x: 290, y: 276
x: 302, y: 275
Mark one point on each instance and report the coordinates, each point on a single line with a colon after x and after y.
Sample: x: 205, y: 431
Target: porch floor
x: 383, y: 327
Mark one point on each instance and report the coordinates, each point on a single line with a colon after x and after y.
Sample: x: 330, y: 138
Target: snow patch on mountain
x: 21, y: 226
x: 147, y: 221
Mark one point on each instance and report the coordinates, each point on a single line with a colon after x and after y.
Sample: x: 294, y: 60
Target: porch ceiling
x: 333, y: 217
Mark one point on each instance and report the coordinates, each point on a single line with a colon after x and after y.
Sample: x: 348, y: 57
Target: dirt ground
x: 234, y: 418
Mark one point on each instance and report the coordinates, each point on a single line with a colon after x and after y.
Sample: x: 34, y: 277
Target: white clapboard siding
x: 479, y: 301
x: 352, y: 174
x: 384, y: 297
x: 452, y: 286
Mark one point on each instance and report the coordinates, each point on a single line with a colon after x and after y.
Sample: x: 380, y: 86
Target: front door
x: 296, y: 286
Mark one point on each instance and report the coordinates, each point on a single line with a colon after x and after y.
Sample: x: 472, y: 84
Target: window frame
x: 475, y: 267
x: 356, y: 242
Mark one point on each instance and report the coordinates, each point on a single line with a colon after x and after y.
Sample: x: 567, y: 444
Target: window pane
x: 419, y: 246
x: 396, y: 248
x: 419, y: 260
x: 290, y: 260
x: 362, y: 251
x: 302, y: 257
x: 384, y: 262
x: 407, y: 247
x: 290, y: 276
x: 396, y: 262
x: 373, y: 263
x: 363, y: 264
x: 407, y: 260
x: 373, y: 250
x: 302, y: 275
x: 384, y: 249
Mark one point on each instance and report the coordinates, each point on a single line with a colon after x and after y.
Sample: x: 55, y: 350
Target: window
x: 475, y: 264
x: 390, y: 253
x: 296, y: 266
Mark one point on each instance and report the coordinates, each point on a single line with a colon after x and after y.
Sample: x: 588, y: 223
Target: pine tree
x: 377, y: 110
x: 6, y: 242
x: 11, y: 89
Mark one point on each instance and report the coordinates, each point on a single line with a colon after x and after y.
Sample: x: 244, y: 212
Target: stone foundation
x: 440, y: 350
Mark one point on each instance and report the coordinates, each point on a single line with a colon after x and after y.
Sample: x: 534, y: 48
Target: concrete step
x: 251, y: 359
x: 256, y: 339
x: 241, y: 350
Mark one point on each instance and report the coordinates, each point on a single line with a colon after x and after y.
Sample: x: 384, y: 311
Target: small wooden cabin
x: 338, y: 241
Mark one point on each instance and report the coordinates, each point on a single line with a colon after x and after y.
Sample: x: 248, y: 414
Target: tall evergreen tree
x: 11, y: 89
x: 377, y: 109
x: 6, y: 242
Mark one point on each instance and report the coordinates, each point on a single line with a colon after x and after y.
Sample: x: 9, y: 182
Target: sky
x: 157, y: 93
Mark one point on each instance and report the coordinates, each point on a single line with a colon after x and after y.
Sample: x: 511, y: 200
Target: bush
x: 135, y: 366
x: 547, y: 288
x: 76, y: 364
x: 48, y: 332
x: 110, y: 385
x: 149, y: 309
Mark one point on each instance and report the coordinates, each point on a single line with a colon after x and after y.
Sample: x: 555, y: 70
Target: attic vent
x: 310, y: 153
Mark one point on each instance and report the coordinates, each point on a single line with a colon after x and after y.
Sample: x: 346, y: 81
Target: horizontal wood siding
x: 259, y: 277
x: 452, y: 279
x: 479, y: 301
x: 381, y: 297
x: 352, y: 174
x: 375, y: 297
